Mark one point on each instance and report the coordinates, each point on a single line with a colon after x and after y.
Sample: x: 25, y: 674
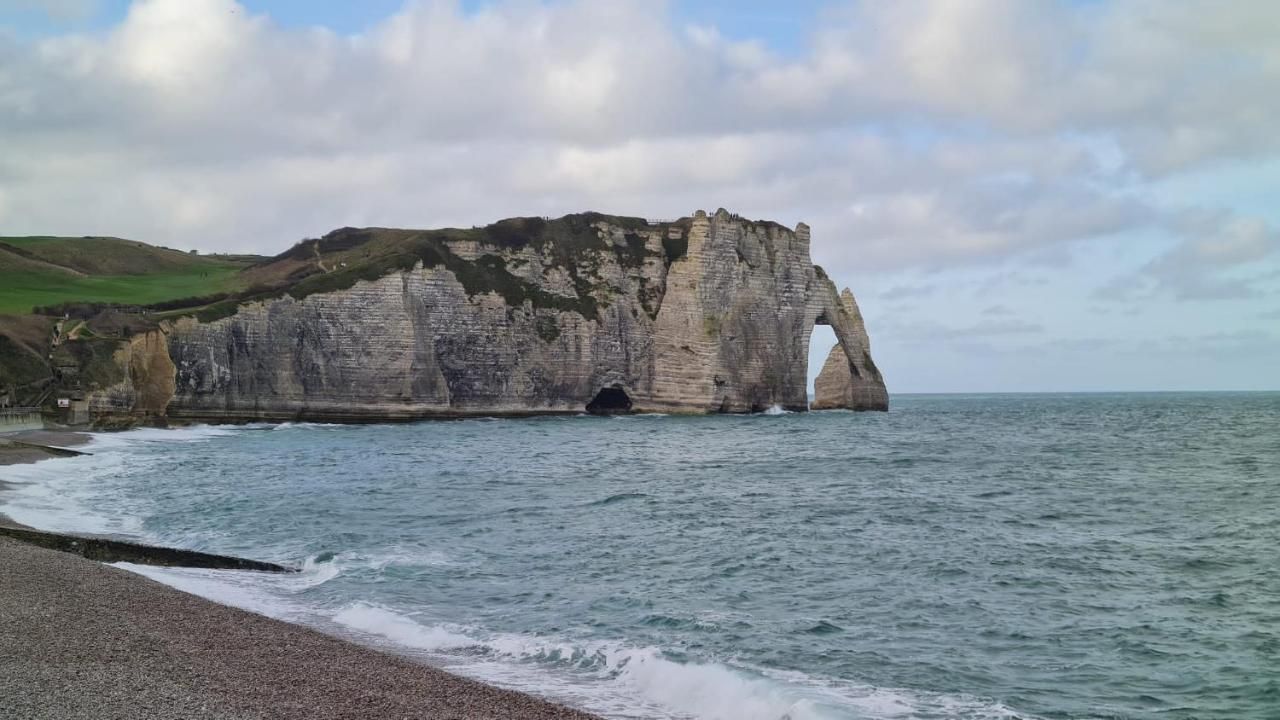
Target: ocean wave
x: 306, y: 426
x: 60, y: 495
x: 402, y: 630
x: 611, y: 678
x: 269, y: 594
x: 75, y: 494
x: 618, y: 680
x: 316, y: 570
x: 187, y: 434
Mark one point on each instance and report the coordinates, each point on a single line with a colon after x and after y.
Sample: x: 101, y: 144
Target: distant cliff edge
x: 588, y: 312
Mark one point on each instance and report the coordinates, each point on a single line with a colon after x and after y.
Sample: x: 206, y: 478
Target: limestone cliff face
x: 148, y: 376
x: 700, y: 315
x: 849, y: 378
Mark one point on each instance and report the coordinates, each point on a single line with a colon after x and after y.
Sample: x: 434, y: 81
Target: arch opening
x: 822, y: 341
x: 610, y: 401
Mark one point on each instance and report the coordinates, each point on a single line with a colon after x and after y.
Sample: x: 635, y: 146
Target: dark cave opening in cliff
x: 610, y: 401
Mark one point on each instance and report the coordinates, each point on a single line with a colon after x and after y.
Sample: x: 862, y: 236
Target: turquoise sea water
x: 1018, y: 556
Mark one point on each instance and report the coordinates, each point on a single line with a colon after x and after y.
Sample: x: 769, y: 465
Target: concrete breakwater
x: 111, y: 551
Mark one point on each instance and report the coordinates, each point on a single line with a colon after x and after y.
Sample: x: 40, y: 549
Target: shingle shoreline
x: 81, y: 640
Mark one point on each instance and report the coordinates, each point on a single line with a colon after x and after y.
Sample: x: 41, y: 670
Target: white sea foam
x: 237, y: 589
x: 60, y: 494
x: 608, y: 677
x: 269, y: 594
x: 314, y: 572
x: 193, y: 433
x: 305, y: 426
x: 75, y: 494
x: 401, y: 629
x: 775, y: 410
x: 616, y: 680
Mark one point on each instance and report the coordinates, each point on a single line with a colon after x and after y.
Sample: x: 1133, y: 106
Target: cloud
x: 62, y: 10
x: 1152, y: 76
x: 900, y: 292
x: 1207, y: 261
x: 901, y: 140
x: 1234, y: 344
x: 932, y: 333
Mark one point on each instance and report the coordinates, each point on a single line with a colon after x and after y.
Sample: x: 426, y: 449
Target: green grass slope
x: 40, y: 271
x: 48, y: 271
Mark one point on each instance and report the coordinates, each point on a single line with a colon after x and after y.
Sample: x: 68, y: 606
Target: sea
x: 970, y: 557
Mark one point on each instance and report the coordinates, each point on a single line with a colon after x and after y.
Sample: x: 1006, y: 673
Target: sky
x: 1023, y: 196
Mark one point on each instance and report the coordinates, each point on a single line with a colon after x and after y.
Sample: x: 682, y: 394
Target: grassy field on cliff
x: 38, y: 271
x: 42, y: 271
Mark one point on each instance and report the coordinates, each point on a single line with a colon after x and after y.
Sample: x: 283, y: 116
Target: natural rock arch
x: 849, y: 379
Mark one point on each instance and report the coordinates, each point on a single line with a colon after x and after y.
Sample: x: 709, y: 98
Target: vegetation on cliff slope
x: 113, y: 288
x: 54, y: 274
x: 46, y: 271
x: 346, y: 256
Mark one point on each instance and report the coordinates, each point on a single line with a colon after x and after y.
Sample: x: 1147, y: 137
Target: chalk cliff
x: 705, y: 314
x: 849, y: 378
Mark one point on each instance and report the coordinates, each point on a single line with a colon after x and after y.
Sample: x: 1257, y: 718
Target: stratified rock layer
x: 849, y: 378
x: 701, y: 315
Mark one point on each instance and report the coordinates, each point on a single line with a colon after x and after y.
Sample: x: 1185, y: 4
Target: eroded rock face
x: 704, y: 314
x: 849, y: 378
x: 148, y: 380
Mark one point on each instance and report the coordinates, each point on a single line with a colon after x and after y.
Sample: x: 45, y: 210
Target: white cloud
x: 56, y: 9
x: 1207, y: 261
x: 910, y: 134
x: 929, y: 145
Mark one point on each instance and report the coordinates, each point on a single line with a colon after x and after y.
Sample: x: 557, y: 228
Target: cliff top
x: 103, y: 282
x: 477, y: 256
x: 42, y: 271
x: 51, y: 275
